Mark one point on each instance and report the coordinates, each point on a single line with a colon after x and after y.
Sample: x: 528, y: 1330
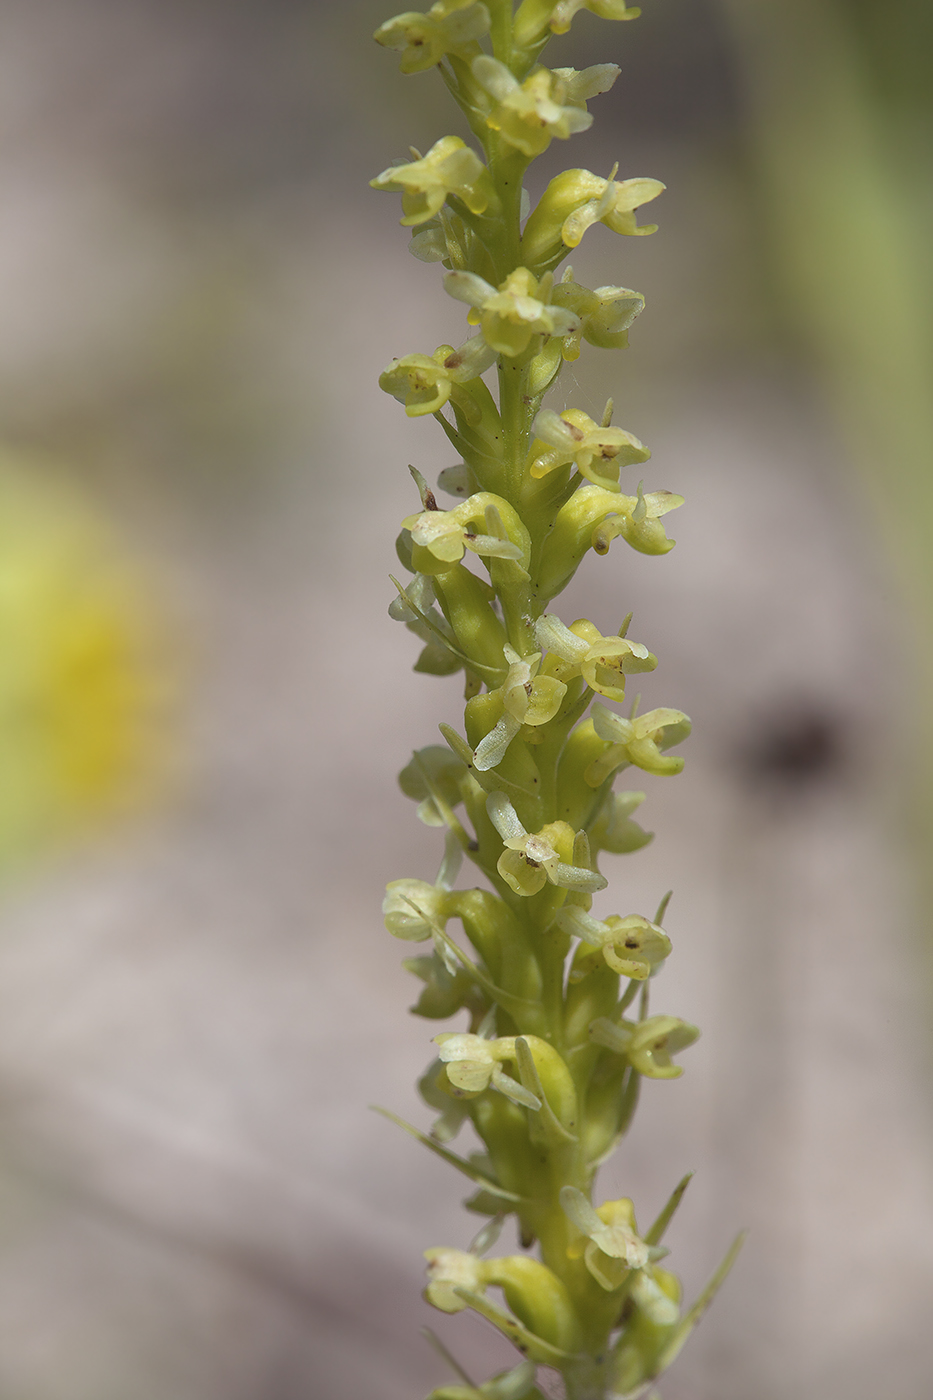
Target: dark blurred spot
x: 803, y: 744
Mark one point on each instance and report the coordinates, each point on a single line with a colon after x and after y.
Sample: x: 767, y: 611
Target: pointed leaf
x: 536, y: 1348
x: 491, y: 1186
x: 693, y: 1316
x: 517, y: 1007
x: 434, y: 1340
x: 656, y: 1233
x: 549, y: 1126
x: 429, y: 622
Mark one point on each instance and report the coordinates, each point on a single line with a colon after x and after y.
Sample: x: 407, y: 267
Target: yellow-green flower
x: 450, y: 167
x: 530, y: 861
x: 446, y: 534
x: 647, y: 1045
x: 535, y: 16
x: 613, y: 203
x: 614, y: 1254
x: 577, y: 199
x: 412, y: 909
x: 450, y: 26
x: 512, y: 314
x: 633, y: 947
x: 527, y: 698
x: 638, y: 520
x: 582, y: 650
x: 424, y: 383
x: 640, y: 741
x: 573, y: 438
x: 548, y: 103
x: 449, y: 1269
x: 474, y: 1064
x: 608, y: 1231
x: 605, y: 314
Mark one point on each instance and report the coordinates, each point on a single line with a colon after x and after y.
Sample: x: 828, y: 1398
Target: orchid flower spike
x: 541, y: 1060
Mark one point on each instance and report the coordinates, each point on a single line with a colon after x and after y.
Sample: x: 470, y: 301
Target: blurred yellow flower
x: 80, y: 687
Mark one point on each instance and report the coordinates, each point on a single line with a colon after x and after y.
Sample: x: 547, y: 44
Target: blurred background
x: 203, y: 705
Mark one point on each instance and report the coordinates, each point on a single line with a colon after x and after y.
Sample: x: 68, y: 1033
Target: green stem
x: 500, y: 12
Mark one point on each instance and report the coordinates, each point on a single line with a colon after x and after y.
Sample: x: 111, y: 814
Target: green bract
x: 554, y: 1037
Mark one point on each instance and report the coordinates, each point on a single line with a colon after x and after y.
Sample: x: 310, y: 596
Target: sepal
x: 459, y: 480
x: 449, y: 1272
x: 411, y: 908
x: 475, y: 1064
x: 606, y: 1238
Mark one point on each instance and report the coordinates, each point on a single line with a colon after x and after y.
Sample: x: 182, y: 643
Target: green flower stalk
x: 559, y: 1036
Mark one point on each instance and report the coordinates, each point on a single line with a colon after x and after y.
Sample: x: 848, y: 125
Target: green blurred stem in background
x: 838, y: 94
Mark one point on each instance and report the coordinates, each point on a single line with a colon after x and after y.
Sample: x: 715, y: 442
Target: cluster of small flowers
x: 538, y: 488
